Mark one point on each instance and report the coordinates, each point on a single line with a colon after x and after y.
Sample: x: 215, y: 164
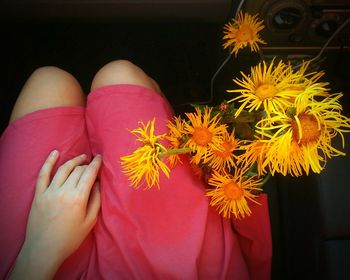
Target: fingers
x: 65, y: 170
x: 88, y: 178
x: 94, y: 205
x: 70, y: 174
x: 43, y: 180
x: 74, y: 177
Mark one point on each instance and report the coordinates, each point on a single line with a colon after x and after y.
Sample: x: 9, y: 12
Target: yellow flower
x: 255, y: 152
x: 308, y: 85
x: 242, y: 32
x: 302, y: 141
x: 145, y: 162
x: 232, y: 192
x: 310, y: 88
x: 224, y: 158
x: 145, y: 134
x: 268, y: 88
x: 309, y: 77
x: 204, y: 133
x: 175, y: 135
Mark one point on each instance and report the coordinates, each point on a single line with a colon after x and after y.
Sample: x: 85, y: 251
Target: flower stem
x: 264, y: 181
x: 175, y: 151
x: 261, y: 54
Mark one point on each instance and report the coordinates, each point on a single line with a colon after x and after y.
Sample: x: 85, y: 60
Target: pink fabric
x: 169, y: 233
x: 254, y: 236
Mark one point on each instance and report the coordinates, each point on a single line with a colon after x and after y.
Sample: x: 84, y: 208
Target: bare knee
x: 123, y: 72
x: 48, y: 87
x: 53, y: 82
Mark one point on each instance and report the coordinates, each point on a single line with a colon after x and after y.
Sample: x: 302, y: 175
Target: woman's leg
x: 170, y: 233
x: 123, y: 72
x: 49, y: 114
x: 48, y: 87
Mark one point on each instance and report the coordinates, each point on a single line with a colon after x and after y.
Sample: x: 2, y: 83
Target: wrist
x: 34, y: 263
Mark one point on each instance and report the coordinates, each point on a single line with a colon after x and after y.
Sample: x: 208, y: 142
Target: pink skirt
x: 171, y: 233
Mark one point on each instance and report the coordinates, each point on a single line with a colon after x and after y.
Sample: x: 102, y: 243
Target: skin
x: 63, y: 212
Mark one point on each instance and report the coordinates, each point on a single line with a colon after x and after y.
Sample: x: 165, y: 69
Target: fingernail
x: 83, y: 155
x: 98, y: 156
x: 54, y: 153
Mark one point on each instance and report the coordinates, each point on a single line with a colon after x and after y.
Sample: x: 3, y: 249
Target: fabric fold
x: 166, y: 233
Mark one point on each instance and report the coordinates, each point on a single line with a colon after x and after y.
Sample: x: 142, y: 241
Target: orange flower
x: 204, y: 132
x: 175, y: 135
x: 242, y: 32
x: 145, y: 162
x: 231, y: 193
x: 255, y: 152
x: 224, y: 157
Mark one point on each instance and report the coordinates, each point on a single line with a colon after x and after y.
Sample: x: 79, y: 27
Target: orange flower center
x: 202, y: 136
x: 227, y: 148
x: 296, y: 88
x: 233, y: 191
x: 244, y: 33
x: 266, y: 91
x: 310, y: 131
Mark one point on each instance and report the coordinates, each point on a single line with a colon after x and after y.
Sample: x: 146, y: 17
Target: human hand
x: 62, y: 214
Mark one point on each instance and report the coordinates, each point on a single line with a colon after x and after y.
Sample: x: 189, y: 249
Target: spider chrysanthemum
x: 204, y: 133
x: 175, y: 136
x: 308, y: 83
x: 231, y: 193
x: 309, y: 77
x: 255, y: 152
x: 303, y: 141
x: 144, y: 164
x: 225, y: 158
x: 242, y: 32
x: 267, y: 87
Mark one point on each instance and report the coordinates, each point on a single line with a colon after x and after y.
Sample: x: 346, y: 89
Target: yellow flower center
x: 227, y: 148
x: 265, y: 91
x: 202, y: 136
x: 233, y: 191
x: 244, y: 33
x: 310, y: 131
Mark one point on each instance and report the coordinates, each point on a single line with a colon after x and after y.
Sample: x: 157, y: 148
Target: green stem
x: 267, y: 177
x: 176, y: 151
x: 261, y: 54
x: 251, y: 171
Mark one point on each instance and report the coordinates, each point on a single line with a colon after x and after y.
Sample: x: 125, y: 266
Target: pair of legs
x: 51, y: 87
x: 155, y: 234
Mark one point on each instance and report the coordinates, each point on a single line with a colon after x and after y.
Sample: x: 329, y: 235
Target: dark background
x: 182, y: 54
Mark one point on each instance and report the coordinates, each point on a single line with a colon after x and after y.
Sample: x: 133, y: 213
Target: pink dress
x: 171, y: 233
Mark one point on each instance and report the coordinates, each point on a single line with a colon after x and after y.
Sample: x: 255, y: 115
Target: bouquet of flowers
x: 279, y: 120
